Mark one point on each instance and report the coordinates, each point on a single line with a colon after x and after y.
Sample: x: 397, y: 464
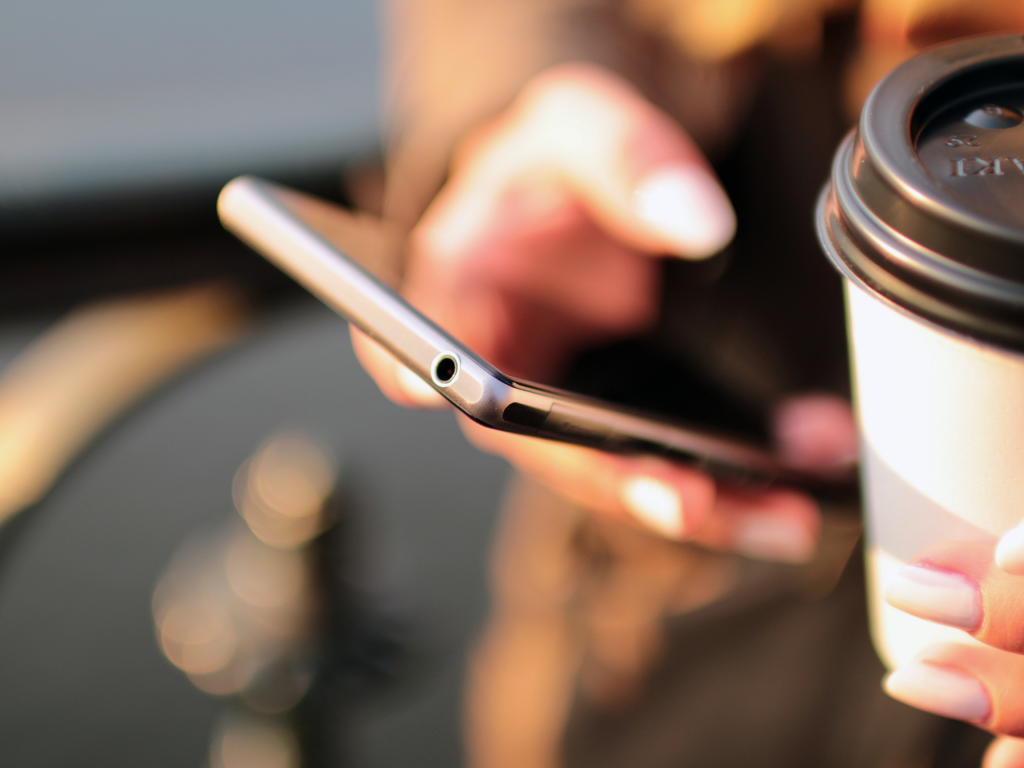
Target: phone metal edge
x: 251, y: 209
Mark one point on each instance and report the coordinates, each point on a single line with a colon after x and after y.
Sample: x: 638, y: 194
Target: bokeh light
x: 281, y: 490
x: 235, y: 609
x: 245, y: 741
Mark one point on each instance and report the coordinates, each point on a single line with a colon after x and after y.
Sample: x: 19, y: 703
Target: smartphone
x: 314, y: 242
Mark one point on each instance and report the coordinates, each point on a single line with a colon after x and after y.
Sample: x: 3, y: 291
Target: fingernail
x: 1010, y: 551
x: 687, y: 207
x: 773, y: 537
x: 945, y: 597
x: 654, y: 503
x: 940, y: 690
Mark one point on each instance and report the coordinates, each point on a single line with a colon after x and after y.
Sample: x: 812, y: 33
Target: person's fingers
x: 670, y: 499
x: 1004, y: 752
x: 937, y: 683
x: 665, y: 497
x: 395, y: 380
x: 777, y: 524
x: 534, y: 247
x: 966, y: 682
x: 960, y: 585
x: 1010, y: 551
x: 593, y: 134
x: 816, y: 431
x: 524, y: 298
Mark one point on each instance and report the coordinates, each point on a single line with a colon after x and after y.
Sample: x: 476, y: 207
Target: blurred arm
x: 455, y: 63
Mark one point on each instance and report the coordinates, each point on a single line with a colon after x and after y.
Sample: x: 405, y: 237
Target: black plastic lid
x: 926, y: 203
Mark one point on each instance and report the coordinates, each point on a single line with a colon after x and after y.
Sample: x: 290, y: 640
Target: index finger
x: 960, y: 585
x: 673, y: 500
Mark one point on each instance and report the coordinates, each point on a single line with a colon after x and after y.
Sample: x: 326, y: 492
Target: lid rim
x: 889, y: 144
x: 887, y: 287
x: 889, y: 223
x: 900, y: 253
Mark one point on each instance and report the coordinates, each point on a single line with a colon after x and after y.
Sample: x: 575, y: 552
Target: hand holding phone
x: 671, y: 497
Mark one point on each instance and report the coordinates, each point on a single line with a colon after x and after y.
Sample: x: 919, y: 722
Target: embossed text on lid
x: 976, y: 149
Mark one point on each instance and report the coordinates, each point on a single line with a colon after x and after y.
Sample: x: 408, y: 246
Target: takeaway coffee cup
x: 924, y: 217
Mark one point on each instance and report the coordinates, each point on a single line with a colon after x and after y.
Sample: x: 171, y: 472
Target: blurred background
x: 220, y: 545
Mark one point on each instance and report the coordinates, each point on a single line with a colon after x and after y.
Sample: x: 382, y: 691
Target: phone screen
x: 639, y: 374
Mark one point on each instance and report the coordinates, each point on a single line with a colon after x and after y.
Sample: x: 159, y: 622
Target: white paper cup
x: 942, y: 451
x: 924, y: 217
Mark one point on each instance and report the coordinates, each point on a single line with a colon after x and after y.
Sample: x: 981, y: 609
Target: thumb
x: 636, y: 172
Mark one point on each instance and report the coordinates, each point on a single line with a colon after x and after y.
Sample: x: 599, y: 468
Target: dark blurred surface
x: 83, y: 678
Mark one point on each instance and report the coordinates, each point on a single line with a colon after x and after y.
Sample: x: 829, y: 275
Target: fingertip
x: 1009, y: 552
x: 777, y: 525
x: 670, y: 500
x: 932, y: 594
x: 686, y: 207
x: 1004, y: 752
x: 816, y: 431
x: 776, y: 538
x: 655, y: 503
x: 397, y: 382
x: 416, y: 389
x: 940, y: 689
